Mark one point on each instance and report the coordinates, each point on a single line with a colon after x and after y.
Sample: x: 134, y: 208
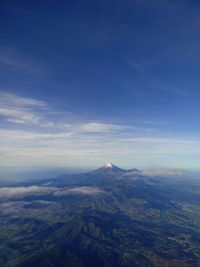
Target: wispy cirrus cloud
x: 99, y: 127
x: 19, y: 116
x: 8, y: 99
x: 51, y: 141
x: 155, y: 122
x: 22, y: 110
x: 61, y: 148
x: 13, y: 60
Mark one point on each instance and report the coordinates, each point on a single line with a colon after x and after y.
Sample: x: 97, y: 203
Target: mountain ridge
x: 103, y: 218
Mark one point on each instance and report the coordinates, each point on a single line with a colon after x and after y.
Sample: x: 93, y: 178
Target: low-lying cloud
x: 15, y: 192
x: 19, y: 192
x: 83, y: 190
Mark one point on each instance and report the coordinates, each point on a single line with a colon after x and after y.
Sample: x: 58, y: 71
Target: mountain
x: 105, y: 217
x: 110, y: 168
x: 103, y: 175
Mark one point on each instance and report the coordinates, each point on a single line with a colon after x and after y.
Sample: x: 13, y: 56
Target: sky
x: 92, y: 81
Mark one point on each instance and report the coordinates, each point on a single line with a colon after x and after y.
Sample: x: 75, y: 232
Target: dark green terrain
x: 108, y: 217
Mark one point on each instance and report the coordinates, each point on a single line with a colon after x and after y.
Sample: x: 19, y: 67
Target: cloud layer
x: 19, y: 192
x: 32, y: 136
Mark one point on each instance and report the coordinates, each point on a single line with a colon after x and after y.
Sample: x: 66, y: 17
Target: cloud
x: 18, y: 192
x: 23, y: 148
x: 98, y: 127
x: 19, y: 116
x: 159, y: 123
x: 13, y: 60
x: 165, y: 172
x: 85, y: 127
x: 59, y: 142
x: 21, y: 110
x: 7, y: 99
x: 83, y: 190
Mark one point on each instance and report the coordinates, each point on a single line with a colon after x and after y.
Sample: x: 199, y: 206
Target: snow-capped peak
x: 108, y: 165
x: 110, y: 168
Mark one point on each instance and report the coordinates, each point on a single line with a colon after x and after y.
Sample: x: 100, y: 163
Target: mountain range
x: 105, y: 217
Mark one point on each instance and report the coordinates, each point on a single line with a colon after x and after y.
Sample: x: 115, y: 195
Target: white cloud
x: 15, y: 192
x: 24, y: 148
x: 19, y: 116
x: 18, y: 192
x: 53, y: 143
x: 7, y: 99
x: 21, y: 110
x: 99, y: 127
x: 166, y: 172
x: 83, y: 190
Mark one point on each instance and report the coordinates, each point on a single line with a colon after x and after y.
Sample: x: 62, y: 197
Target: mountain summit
x: 108, y: 165
x: 110, y: 168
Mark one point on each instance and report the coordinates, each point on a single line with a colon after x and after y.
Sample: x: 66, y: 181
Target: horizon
x: 86, y: 83
x: 19, y: 175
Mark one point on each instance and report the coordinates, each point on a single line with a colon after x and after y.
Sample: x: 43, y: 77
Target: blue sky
x: 86, y: 82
